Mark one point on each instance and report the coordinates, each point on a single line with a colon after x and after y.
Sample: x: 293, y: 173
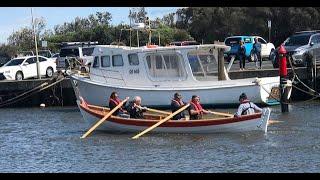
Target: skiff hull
x: 255, y: 122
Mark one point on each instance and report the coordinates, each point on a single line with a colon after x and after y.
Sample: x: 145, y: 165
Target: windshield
x: 298, y: 40
x: 14, y: 62
x: 45, y: 54
x: 69, y: 52
x: 232, y: 41
x: 87, y: 51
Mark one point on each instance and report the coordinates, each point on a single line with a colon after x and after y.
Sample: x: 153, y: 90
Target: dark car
x: 297, y: 46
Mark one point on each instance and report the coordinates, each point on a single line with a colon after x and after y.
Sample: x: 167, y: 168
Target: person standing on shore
x: 242, y: 55
x: 257, y: 52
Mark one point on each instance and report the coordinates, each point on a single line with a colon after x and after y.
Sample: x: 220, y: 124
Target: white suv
x: 26, y: 67
x: 75, y: 55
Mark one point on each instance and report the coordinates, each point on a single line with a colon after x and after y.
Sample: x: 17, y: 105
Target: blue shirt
x: 257, y: 47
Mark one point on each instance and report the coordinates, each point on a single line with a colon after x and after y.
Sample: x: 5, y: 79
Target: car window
x: 262, y: 41
x: 87, y: 51
x: 105, y: 61
x: 117, y: 60
x: 247, y: 40
x: 31, y: 60
x: 14, y: 62
x: 232, y: 41
x: 133, y: 59
x: 41, y: 59
x: 315, y: 39
x: 70, y: 52
x: 297, y: 40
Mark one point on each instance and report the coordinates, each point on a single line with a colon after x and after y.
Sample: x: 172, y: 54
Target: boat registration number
x: 133, y: 71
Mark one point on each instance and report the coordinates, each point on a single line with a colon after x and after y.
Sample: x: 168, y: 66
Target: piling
x: 221, y: 68
x: 283, y: 79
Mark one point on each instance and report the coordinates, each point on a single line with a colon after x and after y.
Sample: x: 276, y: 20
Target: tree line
x: 203, y: 24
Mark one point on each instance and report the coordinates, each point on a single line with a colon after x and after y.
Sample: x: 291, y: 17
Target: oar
x: 221, y: 114
x: 161, y: 121
x: 104, y: 118
x: 157, y: 111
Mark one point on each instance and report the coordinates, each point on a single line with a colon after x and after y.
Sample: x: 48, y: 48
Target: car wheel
x: 19, y: 76
x: 49, y: 72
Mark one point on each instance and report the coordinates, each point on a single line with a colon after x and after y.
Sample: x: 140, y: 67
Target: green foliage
x: 8, y: 51
x: 217, y: 23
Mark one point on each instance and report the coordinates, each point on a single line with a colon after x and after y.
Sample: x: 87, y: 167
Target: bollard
x: 283, y: 78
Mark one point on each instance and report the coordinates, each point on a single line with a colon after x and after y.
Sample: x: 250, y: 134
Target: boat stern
x: 269, y: 88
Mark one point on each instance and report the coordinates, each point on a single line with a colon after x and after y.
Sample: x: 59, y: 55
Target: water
x: 47, y: 140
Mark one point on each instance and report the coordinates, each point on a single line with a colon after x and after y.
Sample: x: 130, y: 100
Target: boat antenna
x: 130, y: 19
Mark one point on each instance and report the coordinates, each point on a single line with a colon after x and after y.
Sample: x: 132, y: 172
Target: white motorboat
x: 156, y: 72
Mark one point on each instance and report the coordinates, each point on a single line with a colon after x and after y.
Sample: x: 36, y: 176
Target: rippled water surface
x: 47, y: 140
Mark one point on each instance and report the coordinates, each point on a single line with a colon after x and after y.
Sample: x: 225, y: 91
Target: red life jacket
x: 197, y: 107
x: 178, y: 102
x: 116, y: 101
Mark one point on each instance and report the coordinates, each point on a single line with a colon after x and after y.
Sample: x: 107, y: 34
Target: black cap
x: 243, y: 96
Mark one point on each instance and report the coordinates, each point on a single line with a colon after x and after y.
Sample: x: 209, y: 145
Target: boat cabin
x: 154, y: 65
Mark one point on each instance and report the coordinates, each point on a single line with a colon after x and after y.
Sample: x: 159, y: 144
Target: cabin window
x: 117, y: 60
x: 105, y: 61
x: 96, y: 62
x: 133, y: 59
x: 165, y: 66
x: 203, y: 64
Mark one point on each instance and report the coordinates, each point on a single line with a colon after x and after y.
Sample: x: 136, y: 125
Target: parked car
x: 266, y: 48
x: 75, y: 53
x: 298, y: 46
x: 26, y: 67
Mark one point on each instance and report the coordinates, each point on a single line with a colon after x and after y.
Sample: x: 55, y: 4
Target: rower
x: 176, y: 104
x: 113, y: 102
x: 246, y: 107
x: 196, y: 111
x: 134, y: 108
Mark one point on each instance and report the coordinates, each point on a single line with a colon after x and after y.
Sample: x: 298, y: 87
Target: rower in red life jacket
x: 196, y: 111
x: 113, y: 102
x: 176, y: 104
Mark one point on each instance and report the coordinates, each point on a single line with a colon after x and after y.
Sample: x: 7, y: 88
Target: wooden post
x: 221, y: 73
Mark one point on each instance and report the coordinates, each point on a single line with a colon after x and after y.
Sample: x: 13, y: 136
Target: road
x: 267, y: 64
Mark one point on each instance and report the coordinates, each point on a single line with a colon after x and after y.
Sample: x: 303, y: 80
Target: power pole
x: 35, y: 41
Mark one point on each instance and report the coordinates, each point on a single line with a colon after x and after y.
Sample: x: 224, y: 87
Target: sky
x: 14, y: 18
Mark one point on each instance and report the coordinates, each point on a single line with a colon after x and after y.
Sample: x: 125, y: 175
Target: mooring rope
x: 31, y: 92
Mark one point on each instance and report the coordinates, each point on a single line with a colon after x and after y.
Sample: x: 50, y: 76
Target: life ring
x: 151, y: 46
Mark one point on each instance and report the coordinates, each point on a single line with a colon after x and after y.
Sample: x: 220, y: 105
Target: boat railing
x: 110, y: 76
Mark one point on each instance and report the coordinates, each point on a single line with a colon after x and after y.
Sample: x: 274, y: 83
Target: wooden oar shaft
x: 221, y: 114
x: 157, y: 111
x: 104, y: 118
x: 160, y: 122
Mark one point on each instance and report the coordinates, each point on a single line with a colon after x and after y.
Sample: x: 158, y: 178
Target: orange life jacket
x: 197, y: 107
x: 178, y: 102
